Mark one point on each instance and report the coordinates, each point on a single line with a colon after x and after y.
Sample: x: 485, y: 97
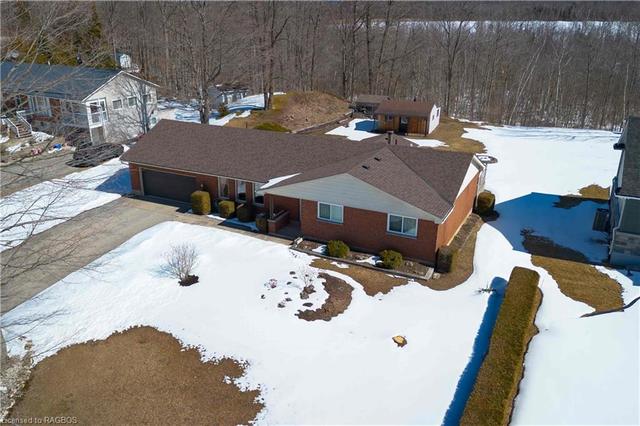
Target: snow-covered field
x: 578, y: 370
x: 362, y: 128
x: 42, y: 206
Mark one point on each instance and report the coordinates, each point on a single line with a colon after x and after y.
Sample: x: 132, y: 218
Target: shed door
x: 168, y: 185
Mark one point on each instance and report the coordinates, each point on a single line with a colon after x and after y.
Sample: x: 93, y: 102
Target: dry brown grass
x: 139, y: 376
x: 337, y: 302
x: 576, y: 278
x: 592, y: 192
x: 373, y: 282
x: 451, y: 132
x: 297, y: 110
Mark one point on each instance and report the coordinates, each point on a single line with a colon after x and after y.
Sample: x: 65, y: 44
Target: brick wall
x: 367, y: 230
x: 461, y: 210
x: 292, y: 205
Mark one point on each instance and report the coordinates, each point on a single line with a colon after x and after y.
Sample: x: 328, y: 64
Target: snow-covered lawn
x: 174, y: 110
x: 362, y: 128
x: 42, y: 206
x: 309, y: 372
x: 578, y: 370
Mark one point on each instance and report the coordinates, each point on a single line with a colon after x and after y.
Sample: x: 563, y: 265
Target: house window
x: 402, y: 225
x: 389, y: 117
x: 117, y: 104
x: 257, y: 198
x: 241, y: 193
x: 132, y: 101
x: 40, y: 105
x: 330, y: 212
x: 98, y: 111
x: 223, y: 187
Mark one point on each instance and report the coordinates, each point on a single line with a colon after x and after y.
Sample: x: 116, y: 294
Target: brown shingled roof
x: 391, y: 139
x: 426, y: 178
x: 406, y: 108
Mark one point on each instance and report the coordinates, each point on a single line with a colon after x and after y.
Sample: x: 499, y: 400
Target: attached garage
x: 168, y: 185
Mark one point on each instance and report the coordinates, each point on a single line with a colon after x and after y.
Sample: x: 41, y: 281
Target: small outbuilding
x: 407, y: 117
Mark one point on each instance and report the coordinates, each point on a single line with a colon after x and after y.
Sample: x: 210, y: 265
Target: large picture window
x: 330, y: 212
x: 40, y: 105
x: 402, y: 225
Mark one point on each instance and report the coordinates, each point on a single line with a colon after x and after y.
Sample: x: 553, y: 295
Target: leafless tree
x: 180, y: 261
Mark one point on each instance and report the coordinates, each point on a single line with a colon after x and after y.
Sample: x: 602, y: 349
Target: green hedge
x: 201, y: 202
x: 485, y: 203
x: 337, y: 248
x: 491, y: 400
x: 274, y: 127
x: 390, y: 259
x: 446, y: 259
x: 245, y: 213
x: 226, y: 208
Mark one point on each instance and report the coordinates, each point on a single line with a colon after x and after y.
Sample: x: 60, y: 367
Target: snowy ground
x: 42, y: 206
x: 578, y: 370
x: 174, y: 110
x: 361, y: 128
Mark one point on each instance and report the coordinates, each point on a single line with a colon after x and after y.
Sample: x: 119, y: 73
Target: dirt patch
x: 337, y: 302
x: 372, y: 281
x: 465, y: 239
x: 451, y: 132
x: 141, y: 375
x: 592, y: 192
x: 297, y: 110
x: 576, y: 278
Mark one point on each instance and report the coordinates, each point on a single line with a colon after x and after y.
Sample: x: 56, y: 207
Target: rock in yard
x: 288, y: 299
x: 308, y: 304
x: 400, y: 340
x: 309, y: 289
x: 281, y: 305
x: 304, y: 295
x: 262, y: 297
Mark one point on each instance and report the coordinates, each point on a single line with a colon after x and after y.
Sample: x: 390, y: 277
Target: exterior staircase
x: 19, y: 126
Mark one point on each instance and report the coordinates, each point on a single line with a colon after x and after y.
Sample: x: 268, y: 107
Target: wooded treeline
x: 576, y: 74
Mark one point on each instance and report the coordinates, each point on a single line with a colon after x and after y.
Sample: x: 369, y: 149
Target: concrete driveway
x: 31, y: 171
x: 46, y: 258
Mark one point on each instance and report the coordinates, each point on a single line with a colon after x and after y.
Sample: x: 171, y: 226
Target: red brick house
x: 371, y: 195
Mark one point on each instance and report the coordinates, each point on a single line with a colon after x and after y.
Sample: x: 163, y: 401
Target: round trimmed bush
x: 226, y: 208
x: 201, y: 202
x: 485, y: 203
x: 337, y: 248
x: 390, y: 259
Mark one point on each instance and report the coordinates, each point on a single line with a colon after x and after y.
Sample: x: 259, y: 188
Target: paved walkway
x: 46, y: 258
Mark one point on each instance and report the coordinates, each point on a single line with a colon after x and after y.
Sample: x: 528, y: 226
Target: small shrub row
x: 226, y: 208
x: 485, y: 203
x: 261, y: 223
x: 245, y: 213
x: 496, y: 386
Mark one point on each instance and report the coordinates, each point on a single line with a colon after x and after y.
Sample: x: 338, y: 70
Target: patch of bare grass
x: 591, y: 192
x: 373, y: 282
x: 337, y: 302
x: 138, y: 376
x: 296, y: 110
x: 451, y: 132
x: 576, y: 278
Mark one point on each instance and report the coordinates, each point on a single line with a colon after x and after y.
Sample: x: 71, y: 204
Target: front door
x: 404, y: 124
